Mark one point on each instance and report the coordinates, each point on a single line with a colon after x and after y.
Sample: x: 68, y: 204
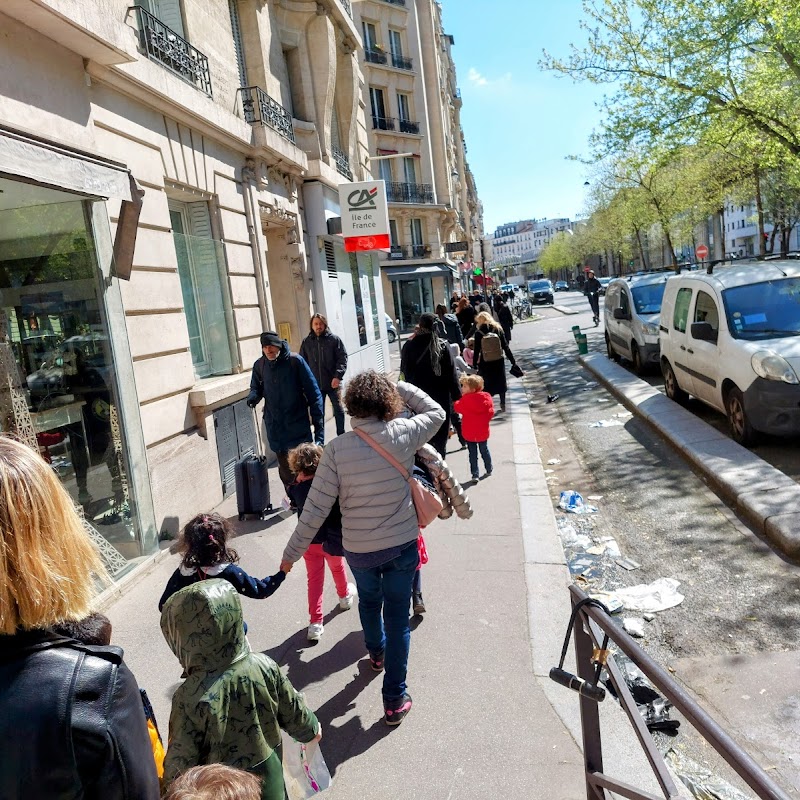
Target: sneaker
x: 488, y: 473
x: 418, y: 603
x: 346, y: 602
x: 315, y: 630
x: 397, y: 712
x: 474, y: 476
x: 376, y: 661
x: 502, y: 407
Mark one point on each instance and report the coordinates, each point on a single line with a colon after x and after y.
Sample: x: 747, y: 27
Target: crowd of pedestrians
x: 66, y: 697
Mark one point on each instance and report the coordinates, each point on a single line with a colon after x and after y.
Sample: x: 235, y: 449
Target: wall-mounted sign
x: 365, y: 216
x: 456, y: 247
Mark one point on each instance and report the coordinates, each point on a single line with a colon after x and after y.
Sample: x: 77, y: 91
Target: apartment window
x: 378, y: 106
x: 393, y: 232
x: 395, y: 43
x: 409, y: 170
x: 201, y: 263
x: 385, y: 170
x: 370, y: 36
x: 166, y: 11
x: 294, y: 102
x: 238, y: 46
x: 416, y: 232
x: 403, y: 107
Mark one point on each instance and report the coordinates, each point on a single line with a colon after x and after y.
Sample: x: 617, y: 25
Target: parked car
x: 732, y: 340
x: 632, y: 309
x: 540, y: 292
x: 562, y: 286
x: 604, y: 284
x: 391, y: 331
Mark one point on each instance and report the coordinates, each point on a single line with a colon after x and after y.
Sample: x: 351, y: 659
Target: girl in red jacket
x: 476, y: 409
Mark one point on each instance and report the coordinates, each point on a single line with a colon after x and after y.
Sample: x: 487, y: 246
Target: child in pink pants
x: 326, y: 546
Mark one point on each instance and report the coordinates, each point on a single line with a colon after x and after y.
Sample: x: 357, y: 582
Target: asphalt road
x: 733, y: 639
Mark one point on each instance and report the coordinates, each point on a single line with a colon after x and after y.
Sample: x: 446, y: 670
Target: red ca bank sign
x: 365, y: 216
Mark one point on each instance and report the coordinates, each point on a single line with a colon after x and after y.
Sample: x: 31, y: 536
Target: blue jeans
x: 473, y: 448
x: 334, y: 395
x: 387, y: 588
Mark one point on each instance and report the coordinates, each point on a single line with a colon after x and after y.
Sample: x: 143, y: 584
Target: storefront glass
x: 58, y: 387
x: 412, y: 297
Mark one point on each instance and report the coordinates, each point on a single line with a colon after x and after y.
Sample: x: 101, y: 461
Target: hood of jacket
x: 282, y: 356
x: 203, y: 626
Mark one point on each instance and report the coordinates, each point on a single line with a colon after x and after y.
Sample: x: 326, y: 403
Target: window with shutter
x: 168, y: 12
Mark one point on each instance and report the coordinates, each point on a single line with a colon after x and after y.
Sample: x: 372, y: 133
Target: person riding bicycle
x: 592, y: 289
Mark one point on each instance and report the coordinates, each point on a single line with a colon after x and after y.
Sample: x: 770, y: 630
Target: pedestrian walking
x: 425, y: 361
x: 71, y: 719
x: 326, y: 355
x: 476, y: 409
x: 465, y: 314
x: 448, y: 327
x: 592, y: 289
x: 490, y: 347
x: 291, y: 394
x: 505, y: 318
x: 469, y: 352
x: 234, y: 703
x: 379, y: 520
x: 454, y: 302
x: 325, y: 547
x: 204, y: 546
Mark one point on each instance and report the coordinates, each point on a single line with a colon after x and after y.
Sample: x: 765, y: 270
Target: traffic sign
x: 701, y: 252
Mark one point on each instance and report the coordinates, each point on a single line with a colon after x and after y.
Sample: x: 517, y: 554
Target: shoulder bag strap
x: 378, y: 449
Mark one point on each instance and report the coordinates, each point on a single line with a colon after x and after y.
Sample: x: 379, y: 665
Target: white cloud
x: 502, y: 82
x: 476, y: 78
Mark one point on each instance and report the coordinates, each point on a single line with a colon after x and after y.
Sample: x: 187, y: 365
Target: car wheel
x: 610, y: 350
x: 392, y: 337
x: 741, y: 429
x: 674, y: 392
x: 636, y: 359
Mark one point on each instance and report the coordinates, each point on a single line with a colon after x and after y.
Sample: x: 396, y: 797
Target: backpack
x: 491, y: 347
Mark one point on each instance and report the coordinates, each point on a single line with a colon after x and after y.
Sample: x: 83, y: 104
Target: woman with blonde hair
x: 490, y: 347
x: 71, y: 718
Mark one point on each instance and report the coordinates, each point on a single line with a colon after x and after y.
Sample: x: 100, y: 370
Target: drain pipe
x: 250, y: 208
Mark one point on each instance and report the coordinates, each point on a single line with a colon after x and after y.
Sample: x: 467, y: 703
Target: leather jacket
x: 71, y: 722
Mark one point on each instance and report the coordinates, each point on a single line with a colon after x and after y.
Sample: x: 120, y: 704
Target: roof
x: 742, y: 274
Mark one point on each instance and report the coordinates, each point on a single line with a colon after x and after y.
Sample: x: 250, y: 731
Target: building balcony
x: 395, y: 2
x: 403, y: 251
x: 259, y: 108
x: 407, y: 126
x: 401, y: 62
x: 341, y: 162
x: 383, y: 123
x: 347, y: 7
x: 163, y: 45
x: 375, y: 56
x: 410, y: 193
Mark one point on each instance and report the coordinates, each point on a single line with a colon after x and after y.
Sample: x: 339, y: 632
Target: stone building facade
x: 168, y: 170
x: 417, y: 147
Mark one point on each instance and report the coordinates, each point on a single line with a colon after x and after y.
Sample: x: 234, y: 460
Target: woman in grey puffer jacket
x: 379, y: 521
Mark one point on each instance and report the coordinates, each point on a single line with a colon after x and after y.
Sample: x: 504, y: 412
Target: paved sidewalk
x: 486, y: 720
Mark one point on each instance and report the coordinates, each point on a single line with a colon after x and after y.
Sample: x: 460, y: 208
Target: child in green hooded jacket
x: 234, y: 702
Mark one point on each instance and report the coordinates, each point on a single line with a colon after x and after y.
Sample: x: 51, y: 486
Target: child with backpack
x: 206, y: 555
x: 476, y: 409
x: 490, y: 348
x: 326, y: 546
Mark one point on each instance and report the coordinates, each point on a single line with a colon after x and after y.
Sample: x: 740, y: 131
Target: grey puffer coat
x: 453, y: 496
x: 375, y: 499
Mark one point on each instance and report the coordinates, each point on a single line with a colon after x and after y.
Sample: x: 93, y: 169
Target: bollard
x: 583, y: 346
x: 576, y: 329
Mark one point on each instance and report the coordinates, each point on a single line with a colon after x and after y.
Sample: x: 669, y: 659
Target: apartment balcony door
x: 395, y: 44
x: 403, y: 108
x: 416, y: 232
x: 370, y: 36
x: 410, y: 170
x: 385, y: 170
x: 378, y: 106
x: 166, y: 11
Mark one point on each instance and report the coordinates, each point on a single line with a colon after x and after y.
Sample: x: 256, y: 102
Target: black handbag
x: 516, y: 371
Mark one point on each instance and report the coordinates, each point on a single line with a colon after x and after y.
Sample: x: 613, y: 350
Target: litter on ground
x: 605, y: 423
x: 656, y: 596
x: 554, y: 461
x: 628, y: 563
x: 573, y: 503
x: 634, y: 626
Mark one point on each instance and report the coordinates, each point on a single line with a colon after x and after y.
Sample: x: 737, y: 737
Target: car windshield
x: 764, y: 310
x: 647, y: 299
x: 537, y: 286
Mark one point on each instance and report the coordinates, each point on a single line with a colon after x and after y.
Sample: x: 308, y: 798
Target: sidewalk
x: 486, y: 721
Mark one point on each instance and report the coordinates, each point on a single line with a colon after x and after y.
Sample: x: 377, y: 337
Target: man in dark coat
x: 325, y: 353
x: 448, y: 328
x: 592, y: 289
x: 290, y: 395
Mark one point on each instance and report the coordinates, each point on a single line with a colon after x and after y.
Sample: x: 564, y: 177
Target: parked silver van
x: 632, y: 309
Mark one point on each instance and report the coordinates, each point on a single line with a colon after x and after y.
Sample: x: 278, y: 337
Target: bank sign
x: 365, y: 216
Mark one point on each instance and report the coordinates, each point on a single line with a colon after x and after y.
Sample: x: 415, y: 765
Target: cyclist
x: 592, y: 291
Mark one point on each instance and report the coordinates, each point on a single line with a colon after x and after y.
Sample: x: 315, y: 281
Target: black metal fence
x: 341, y: 162
x: 383, y: 123
x: 401, y: 62
x: 259, y: 107
x: 407, y: 126
x: 399, y: 251
x: 375, y: 56
x: 409, y: 193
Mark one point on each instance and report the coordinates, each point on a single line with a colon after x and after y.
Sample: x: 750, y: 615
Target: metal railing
x: 172, y: 51
x: 395, y: 2
x: 399, y: 251
x: 341, y: 162
x: 591, y: 625
x: 409, y: 192
x: 375, y: 56
x: 259, y: 107
x: 407, y: 126
x: 383, y: 123
x: 347, y: 7
x: 401, y: 62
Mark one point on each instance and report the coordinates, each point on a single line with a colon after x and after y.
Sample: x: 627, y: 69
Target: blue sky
x: 521, y: 123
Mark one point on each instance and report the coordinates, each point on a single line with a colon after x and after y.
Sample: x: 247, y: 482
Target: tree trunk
x: 719, y: 234
x: 641, y: 248
x: 762, y: 239
x: 772, y: 239
x: 786, y: 233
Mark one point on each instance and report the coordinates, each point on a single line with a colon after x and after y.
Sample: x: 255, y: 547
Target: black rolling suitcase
x: 252, y: 487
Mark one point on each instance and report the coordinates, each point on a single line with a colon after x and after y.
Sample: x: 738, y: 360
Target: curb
x: 758, y: 492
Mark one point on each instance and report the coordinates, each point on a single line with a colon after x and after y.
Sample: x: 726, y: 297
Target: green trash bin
x: 583, y: 346
x: 576, y: 329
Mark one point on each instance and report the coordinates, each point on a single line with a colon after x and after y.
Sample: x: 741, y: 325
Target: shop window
x: 201, y: 266
x: 58, y: 383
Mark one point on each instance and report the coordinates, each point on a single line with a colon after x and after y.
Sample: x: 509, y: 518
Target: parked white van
x: 632, y: 308
x: 732, y: 340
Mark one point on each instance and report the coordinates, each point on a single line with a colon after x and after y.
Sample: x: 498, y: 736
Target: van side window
x: 681, y: 313
x: 705, y: 310
x: 624, y: 301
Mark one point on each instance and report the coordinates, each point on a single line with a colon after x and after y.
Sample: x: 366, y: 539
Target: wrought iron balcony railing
x: 396, y: 2
x: 347, y: 7
x: 401, y: 62
x: 342, y: 162
x: 259, y: 107
x: 375, y: 56
x: 409, y: 193
x: 172, y: 51
x: 399, y: 251
x: 383, y: 123
x: 407, y: 126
